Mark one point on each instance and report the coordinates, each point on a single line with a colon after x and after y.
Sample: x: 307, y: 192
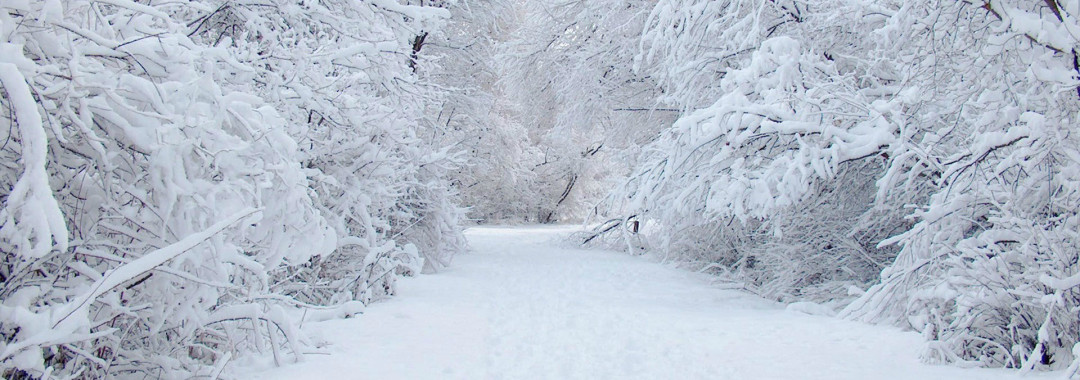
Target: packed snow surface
x: 523, y: 304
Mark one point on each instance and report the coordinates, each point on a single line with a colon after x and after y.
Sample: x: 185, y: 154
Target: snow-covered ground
x: 523, y: 306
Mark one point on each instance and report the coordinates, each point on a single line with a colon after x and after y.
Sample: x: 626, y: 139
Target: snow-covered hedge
x: 179, y: 177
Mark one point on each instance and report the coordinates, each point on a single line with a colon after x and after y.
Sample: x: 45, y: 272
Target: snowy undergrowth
x: 181, y: 177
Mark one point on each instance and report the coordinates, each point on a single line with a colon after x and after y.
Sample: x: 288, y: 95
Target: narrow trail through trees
x: 524, y: 305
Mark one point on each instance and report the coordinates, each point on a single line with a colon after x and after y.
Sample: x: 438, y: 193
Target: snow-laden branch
x: 129, y: 271
x: 31, y: 217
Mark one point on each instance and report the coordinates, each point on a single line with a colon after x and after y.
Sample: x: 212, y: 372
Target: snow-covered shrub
x: 772, y: 185
x: 178, y: 176
x: 173, y: 189
x: 347, y: 77
x: 813, y: 129
x: 984, y: 271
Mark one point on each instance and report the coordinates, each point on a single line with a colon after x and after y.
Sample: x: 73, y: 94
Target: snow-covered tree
x: 770, y: 183
x: 180, y: 177
x: 471, y: 117
x: 988, y: 271
x: 825, y: 141
x: 571, y: 62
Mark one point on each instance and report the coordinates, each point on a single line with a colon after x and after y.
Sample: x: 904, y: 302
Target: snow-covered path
x: 522, y: 306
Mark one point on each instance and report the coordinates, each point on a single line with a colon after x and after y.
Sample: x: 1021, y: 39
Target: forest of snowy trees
x: 187, y: 182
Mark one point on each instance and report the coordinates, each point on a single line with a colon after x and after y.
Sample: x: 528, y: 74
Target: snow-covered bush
x: 772, y: 184
x: 988, y: 271
x: 823, y: 142
x: 178, y: 176
x: 347, y: 77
